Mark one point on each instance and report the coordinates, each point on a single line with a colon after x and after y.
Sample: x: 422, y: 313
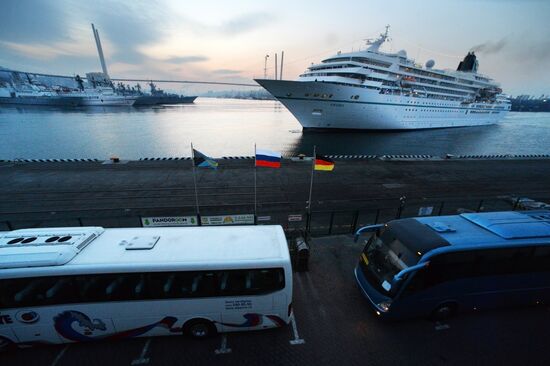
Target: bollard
x: 302, y: 255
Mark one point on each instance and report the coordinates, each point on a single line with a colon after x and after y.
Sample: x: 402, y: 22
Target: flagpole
x: 311, y: 183
x: 255, y: 188
x: 195, y: 183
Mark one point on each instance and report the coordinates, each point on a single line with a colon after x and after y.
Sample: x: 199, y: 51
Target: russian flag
x: 268, y: 158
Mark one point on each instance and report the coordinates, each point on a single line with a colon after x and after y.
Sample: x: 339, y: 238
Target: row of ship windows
x: 322, y: 96
x: 439, y: 76
x: 363, y: 78
x: 404, y: 68
x: 422, y: 116
x: 355, y: 97
x: 432, y: 110
x: 418, y: 95
x: 362, y: 60
x: 386, y: 82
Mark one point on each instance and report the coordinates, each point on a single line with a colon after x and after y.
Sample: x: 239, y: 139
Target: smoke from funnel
x: 490, y: 47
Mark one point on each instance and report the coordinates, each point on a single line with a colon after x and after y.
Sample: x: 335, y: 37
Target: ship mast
x: 375, y: 44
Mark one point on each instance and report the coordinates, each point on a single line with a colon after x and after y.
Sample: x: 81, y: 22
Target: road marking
x: 223, y: 348
x: 142, y: 360
x: 59, y: 355
x: 297, y: 339
x: 441, y: 326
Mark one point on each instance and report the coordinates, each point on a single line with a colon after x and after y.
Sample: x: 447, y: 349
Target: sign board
x: 169, y: 221
x: 425, y: 211
x: 264, y: 218
x: 227, y: 220
x: 292, y: 218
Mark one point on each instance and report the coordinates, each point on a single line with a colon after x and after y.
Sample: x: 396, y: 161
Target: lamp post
x: 265, y: 67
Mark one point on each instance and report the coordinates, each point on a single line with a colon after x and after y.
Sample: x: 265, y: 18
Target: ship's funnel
x: 100, y: 51
x: 469, y: 64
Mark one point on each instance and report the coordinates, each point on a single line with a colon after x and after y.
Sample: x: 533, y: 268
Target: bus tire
x: 199, y: 328
x: 444, y: 311
x: 5, y: 344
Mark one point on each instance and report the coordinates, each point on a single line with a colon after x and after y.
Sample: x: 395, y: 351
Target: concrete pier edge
x: 297, y: 158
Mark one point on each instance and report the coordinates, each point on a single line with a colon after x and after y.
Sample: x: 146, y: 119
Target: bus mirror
x: 403, y: 274
x: 367, y: 229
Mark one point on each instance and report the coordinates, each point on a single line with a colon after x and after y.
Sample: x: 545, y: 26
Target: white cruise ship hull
x: 323, y: 105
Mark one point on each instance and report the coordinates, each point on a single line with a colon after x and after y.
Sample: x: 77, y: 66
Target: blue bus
x: 439, y: 266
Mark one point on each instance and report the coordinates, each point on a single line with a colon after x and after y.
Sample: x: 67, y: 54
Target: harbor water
x: 230, y: 127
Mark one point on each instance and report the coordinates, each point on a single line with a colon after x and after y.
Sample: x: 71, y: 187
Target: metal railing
x: 292, y: 217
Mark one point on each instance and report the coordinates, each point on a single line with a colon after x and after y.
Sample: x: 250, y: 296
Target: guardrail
x: 292, y: 218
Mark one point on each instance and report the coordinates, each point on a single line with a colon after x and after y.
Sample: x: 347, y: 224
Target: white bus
x: 88, y: 283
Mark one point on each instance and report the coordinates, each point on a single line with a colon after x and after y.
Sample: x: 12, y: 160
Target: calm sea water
x: 228, y: 127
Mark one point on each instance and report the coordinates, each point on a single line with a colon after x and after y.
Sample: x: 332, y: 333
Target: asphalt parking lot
x: 333, y: 326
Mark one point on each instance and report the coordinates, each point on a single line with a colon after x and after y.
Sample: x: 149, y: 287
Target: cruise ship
x: 375, y: 90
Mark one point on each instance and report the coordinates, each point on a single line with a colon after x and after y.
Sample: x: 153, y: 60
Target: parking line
x: 223, y: 348
x: 59, y: 355
x: 441, y: 326
x: 142, y: 360
x: 297, y: 339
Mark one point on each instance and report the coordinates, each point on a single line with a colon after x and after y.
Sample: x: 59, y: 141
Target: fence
x: 292, y: 218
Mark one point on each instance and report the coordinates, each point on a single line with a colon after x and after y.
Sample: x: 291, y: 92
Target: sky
x: 227, y: 41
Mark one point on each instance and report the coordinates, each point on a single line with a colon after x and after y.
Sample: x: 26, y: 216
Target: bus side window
x: 122, y: 287
x: 541, y: 259
x: 139, y: 288
x: 62, y: 291
x: 502, y: 261
x: 262, y: 281
x: 234, y: 282
x: 184, y: 284
x: 205, y: 284
x: 93, y: 287
x: 155, y: 285
x: 416, y: 283
x: 33, y: 293
x: 7, y: 291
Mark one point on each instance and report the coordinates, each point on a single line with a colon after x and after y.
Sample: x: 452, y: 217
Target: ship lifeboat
x: 406, y: 81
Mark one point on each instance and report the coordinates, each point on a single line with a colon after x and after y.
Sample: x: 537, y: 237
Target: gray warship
x: 159, y: 96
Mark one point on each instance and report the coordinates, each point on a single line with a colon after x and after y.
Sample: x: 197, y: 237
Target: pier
x: 359, y: 191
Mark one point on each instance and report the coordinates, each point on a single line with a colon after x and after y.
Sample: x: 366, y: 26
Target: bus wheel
x: 5, y: 344
x: 444, y: 311
x: 199, y: 328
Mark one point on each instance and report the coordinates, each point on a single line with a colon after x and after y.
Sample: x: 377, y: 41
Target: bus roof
x: 491, y: 228
x: 150, y: 248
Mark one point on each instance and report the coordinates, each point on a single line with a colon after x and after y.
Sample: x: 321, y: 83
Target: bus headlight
x: 385, y: 305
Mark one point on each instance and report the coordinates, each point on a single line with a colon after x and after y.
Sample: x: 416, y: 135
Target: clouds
x: 132, y: 33
x: 187, y: 59
x: 246, y: 23
x: 226, y: 72
x: 126, y: 24
x: 213, y: 39
x: 32, y: 21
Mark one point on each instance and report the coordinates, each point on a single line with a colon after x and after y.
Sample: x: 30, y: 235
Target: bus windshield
x: 384, y: 257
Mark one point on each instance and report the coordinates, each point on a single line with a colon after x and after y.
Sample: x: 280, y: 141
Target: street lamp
x: 265, y: 67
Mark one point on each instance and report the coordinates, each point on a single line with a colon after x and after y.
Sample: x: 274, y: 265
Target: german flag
x: 323, y: 163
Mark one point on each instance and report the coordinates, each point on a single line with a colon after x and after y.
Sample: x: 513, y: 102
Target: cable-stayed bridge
x: 146, y: 80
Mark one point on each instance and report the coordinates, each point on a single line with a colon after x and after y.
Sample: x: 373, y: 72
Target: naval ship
x: 159, y: 96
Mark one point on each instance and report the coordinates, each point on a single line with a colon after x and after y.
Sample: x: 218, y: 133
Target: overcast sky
x: 228, y: 40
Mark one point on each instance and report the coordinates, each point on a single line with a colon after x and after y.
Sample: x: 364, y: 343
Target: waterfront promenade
x: 119, y: 194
